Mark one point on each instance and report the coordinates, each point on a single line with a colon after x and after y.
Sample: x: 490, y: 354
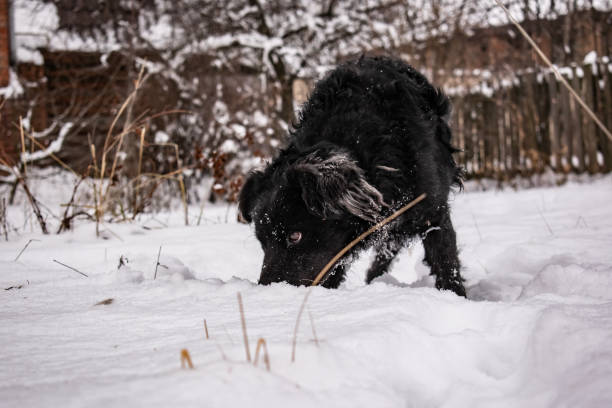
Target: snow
x: 14, y: 87
x: 54, y: 147
x: 590, y: 58
x: 161, y: 137
x: 536, y: 331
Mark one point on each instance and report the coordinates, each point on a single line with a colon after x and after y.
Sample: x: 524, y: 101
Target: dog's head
x: 306, y: 207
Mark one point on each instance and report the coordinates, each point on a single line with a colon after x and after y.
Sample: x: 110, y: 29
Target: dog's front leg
x: 441, y: 256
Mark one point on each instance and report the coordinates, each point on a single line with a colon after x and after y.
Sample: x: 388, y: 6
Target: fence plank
x: 554, y: 126
x: 588, y: 126
x: 577, y: 137
x: 605, y: 113
x: 534, y: 123
x: 568, y: 131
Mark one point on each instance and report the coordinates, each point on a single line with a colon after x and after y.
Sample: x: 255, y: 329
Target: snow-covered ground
x: 535, y: 332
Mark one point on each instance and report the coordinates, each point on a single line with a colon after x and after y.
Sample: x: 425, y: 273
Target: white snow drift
x: 536, y: 331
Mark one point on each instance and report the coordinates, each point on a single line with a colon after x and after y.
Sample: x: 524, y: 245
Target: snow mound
x: 141, y: 267
x: 535, y: 331
x: 591, y: 281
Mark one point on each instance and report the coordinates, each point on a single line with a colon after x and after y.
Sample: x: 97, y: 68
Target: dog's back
x: 390, y: 118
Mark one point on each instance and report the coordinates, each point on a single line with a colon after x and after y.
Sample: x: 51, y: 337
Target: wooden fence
x: 529, y: 123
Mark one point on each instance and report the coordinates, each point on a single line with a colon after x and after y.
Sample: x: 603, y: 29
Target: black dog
x: 371, y: 138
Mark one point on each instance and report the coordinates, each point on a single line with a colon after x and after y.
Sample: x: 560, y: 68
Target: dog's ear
x: 249, y: 194
x: 333, y: 185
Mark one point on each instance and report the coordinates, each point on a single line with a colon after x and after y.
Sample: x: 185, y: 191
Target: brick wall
x: 4, y: 43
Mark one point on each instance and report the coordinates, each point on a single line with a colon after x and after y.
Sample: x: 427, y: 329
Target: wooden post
x: 578, y: 139
x: 588, y: 126
x: 567, y: 144
x: 5, y: 42
x: 553, y: 123
x: 606, y: 114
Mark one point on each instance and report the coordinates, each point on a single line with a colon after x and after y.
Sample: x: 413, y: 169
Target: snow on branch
x: 53, y: 148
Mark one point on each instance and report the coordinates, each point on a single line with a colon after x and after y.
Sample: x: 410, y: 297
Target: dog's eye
x: 294, y: 237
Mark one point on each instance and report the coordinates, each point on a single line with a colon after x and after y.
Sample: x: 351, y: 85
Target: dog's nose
x: 267, y: 276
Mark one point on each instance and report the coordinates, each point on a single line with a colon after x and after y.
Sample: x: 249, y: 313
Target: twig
x: 244, y: 330
x: 3, y: 220
x: 314, y: 332
x: 186, y: 358
x: 201, y: 211
x: 136, y: 196
x: 16, y: 286
x: 556, y: 71
x: 545, y: 222
x: 261, y: 343
x: 340, y: 254
x: 158, y: 264
x: 33, y: 202
x: 24, y: 248
x: 206, y: 329
x: 70, y: 267
x: 65, y: 221
x: 23, y: 149
x: 580, y: 218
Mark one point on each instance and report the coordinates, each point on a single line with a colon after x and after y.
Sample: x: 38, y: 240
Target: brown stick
x: 186, y: 359
x: 23, y: 149
x: 339, y: 255
x: 261, y: 343
x: 206, y: 329
x: 244, y: 330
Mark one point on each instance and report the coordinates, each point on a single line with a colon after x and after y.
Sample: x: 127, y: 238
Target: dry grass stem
x: 244, y: 330
x: 206, y: 329
x: 20, y: 178
x: 201, y: 212
x: 35, y: 207
x: 545, y: 221
x: 186, y: 359
x: 340, y: 254
x: 3, y: 219
x: 23, y: 149
x: 24, y: 248
x: 180, y: 179
x: 157, y: 264
x: 314, y: 332
x: 70, y: 267
x: 141, y: 149
x: 66, y: 219
x: 261, y: 343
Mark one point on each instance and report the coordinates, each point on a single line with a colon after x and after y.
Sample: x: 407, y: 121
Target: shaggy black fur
x: 371, y: 138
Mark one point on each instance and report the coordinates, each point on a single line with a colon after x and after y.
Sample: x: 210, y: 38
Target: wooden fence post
x: 588, y: 126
